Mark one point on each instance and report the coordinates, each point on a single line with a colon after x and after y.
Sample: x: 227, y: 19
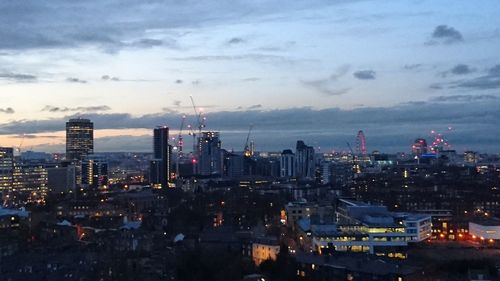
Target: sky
x: 315, y: 70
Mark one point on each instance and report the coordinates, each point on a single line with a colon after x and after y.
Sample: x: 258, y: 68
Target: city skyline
x: 428, y: 66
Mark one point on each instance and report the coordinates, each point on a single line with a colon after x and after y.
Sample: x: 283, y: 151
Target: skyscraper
x: 287, y: 164
x: 304, y: 156
x: 160, y: 164
x: 210, y: 154
x: 6, y: 168
x: 79, y: 138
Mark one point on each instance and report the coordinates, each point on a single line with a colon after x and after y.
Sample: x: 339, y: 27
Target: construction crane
x: 200, y: 125
x: 247, y: 151
x: 20, y: 146
x: 180, y: 145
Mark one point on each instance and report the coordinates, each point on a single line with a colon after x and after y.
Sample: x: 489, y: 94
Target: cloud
x: 250, y: 79
x: 486, y: 82
x: 75, y: 80
x: 178, y: 81
x: 461, y: 69
x: 7, y: 110
x: 365, y: 74
x: 109, y: 78
x: 414, y: 66
x: 464, y: 98
x: 387, y: 128
x: 177, y: 103
x: 255, y: 106
x: 50, y: 108
x: 18, y: 77
x: 444, y: 34
x: 330, y: 86
x: 236, y: 41
x: 147, y: 43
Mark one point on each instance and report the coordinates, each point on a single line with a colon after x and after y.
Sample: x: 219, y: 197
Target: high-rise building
x: 79, y: 138
x: 30, y: 183
x: 287, y: 164
x: 94, y: 172
x: 6, y: 168
x: 304, y: 157
x: 159, y: 175
x: 419, y: 147
x: 210, y: 158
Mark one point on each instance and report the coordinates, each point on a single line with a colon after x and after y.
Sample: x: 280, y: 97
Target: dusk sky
x: 312, y: 70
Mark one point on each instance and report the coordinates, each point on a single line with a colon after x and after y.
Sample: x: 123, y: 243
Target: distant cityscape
x: 295, y: 214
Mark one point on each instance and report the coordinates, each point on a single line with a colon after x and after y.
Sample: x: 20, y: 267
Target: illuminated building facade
x: 210, y: 154
x: 362, y: 227
x: 159, y: 174
x: 30, y: 183
x: 79, y: 138
x: 94, y: 172
x: 6, y: 168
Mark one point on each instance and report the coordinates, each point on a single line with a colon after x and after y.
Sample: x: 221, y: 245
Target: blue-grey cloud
x: 17, y: 77
x: 109, y: 78
x: 76, y: 80
x: 461, y: 69
x: 444, y: 34
x: 235, y: 41
x: 365, y: 74
x: 97, y: 108
x: 393, y: 128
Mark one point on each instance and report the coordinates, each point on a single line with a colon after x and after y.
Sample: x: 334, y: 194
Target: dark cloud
x: 147, y: 43
x: 97, y: 108
x: 461, y: 69
x: 75, y: 80
x: 113, y: 24
x: 30, y: 136
x: 177, y: 103
x: 178, y: 81
x: 18, y: 77
x: 7, y: 110
x: 389, y: 128
x: 486, y: 82
x: 464, y: 98
x: 255, y: 106
x: 261, y: 58
x: 445, y: 35
x: 235, y: 41
x: 365, y: 74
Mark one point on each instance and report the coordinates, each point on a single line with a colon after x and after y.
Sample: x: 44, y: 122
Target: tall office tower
x: 419, y: 147
x: 304, y: 157
x: 6, y: 168
x: 94, y: 172
x: 210, y: 158
x: 287, y: 164
x: 159, y: 175
x: 79, y: 138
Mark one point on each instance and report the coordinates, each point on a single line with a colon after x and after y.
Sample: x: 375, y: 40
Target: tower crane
x: 200, y: 125
x: 247, y: 151
x: 180, y: 145
x: 20, y: 146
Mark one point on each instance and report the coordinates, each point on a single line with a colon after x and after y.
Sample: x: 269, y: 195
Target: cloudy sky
x: 317, y: 70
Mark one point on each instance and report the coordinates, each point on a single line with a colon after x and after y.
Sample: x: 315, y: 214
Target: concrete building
x: 362, y: 227
x: 287, y: 164
x: 79, y: 138
x: 305, y: 164
x: 485, y: 230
